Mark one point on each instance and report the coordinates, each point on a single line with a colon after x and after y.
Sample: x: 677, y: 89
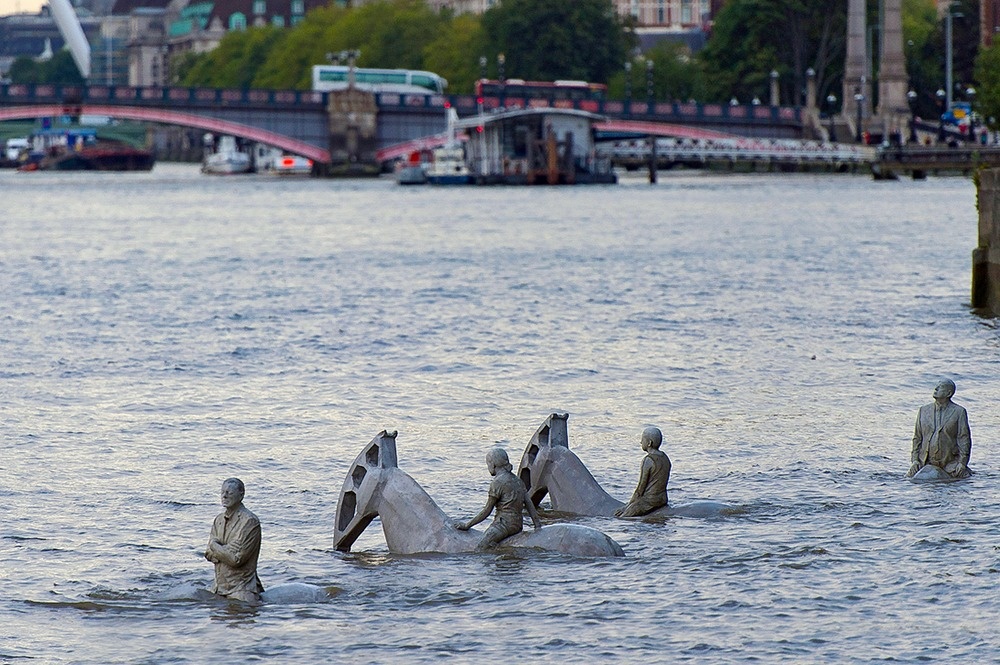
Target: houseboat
x: 535, y: 146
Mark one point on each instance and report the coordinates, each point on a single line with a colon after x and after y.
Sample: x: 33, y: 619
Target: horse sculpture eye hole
x: 358, y: 476
x: 348, y: 505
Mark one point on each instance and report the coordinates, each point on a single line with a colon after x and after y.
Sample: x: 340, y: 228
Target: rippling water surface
x: 161, y: 332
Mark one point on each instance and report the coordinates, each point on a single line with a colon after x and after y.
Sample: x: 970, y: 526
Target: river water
x: 163, y: 331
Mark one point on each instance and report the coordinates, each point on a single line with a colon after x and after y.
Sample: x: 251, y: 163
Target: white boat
x: 448, y: 167
x: 224, y: 157
x: 413, y: 171
x: 274, y: 161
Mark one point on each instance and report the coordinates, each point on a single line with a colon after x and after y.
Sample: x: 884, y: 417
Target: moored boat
x: 276, y: 162
x: 413, y: 171
x: 224, y: 156
x: 448, y: 167
x: 81, y: 150
x: 535, y: 146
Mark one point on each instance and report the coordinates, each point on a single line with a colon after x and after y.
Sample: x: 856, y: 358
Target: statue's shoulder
x: 247, y: 516
x: 656, y: 453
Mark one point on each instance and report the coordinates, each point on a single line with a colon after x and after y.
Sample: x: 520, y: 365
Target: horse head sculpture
x: 413, y: 523
x: 548, y: 466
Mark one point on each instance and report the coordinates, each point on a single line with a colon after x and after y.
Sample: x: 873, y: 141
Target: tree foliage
x: 924, y: 64
x: 61, y: 69
x: 557, y: 39
x: 675, y: 75
x: 752, y: 38
x: 452, y: 53
x: 988, y: 75
x: 388, y: 33
x: 236, y: 60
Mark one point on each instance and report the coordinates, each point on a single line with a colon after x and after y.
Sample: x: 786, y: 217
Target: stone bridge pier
x: 986, y: 257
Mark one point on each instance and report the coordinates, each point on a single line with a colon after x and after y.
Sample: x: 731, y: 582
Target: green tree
x: 388, y: 33
x: 181, y: 65
x: 455, y: 53
x: 675, y: 75
x: 752, y: 38
x: 988, y: 75
x: 556, y: 39
x: 61, y: 69
x: 924, y: 64
x: 235, y: 61
x: 24, y: 70
x: 305, y: 45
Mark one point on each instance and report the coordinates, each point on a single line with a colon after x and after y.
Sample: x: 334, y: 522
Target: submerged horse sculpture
x: 413, y: 523
x: 548, y: 466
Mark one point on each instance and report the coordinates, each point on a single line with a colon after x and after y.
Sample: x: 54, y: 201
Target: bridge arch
x: 167, y: 117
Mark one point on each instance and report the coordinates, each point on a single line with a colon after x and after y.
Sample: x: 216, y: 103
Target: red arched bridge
x: 300, y: 122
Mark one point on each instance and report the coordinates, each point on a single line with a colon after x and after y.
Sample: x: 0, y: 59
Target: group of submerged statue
x: 413, y: 523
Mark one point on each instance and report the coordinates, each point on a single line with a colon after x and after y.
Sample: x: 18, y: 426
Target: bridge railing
x: 155, y: 96
x: 686, y: 112
x: 748, y: 149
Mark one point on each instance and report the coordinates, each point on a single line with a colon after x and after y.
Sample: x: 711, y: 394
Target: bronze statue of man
x: 234, y: 547
x: 508, y: 496
x: 651, y: 492
x: 941, y: 437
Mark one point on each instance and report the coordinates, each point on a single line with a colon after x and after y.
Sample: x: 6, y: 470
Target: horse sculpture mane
x: 549, y: 467
x: 413, y: 523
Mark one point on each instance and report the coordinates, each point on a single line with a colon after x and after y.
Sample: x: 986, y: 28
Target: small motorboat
x: 224, y: 156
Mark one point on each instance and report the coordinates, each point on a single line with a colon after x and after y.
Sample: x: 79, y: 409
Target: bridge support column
x: 353, y: 121
x: 893, y: 107
x: 855, y: 78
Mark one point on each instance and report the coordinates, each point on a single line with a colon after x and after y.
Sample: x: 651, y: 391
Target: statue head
x: 233, y: 491
x: 497, y: 459
x: 945, y: 389
x: 651, y: 438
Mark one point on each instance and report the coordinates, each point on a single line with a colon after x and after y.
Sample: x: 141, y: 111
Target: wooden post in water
x: 652, y: 160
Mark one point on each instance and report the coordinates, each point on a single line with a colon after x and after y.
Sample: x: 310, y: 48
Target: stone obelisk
x: 893, y: 83
x: 855, y: 79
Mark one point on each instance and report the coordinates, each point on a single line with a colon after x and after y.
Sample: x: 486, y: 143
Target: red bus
x: 574, y: 90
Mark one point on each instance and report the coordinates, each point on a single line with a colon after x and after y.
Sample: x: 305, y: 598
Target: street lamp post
x: 831, y: 102
x: 649, y: 81
x: 628, y: 87
x: 501, y: 61
x: 970, y: 92
x: 948, y: 53
x: 941, y: 95
x: 482, y: 66
x: 859, y: 100
x: 911, y: 97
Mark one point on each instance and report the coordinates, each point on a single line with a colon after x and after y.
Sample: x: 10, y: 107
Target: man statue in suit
x: 941, y: 436
x: 234, y: 547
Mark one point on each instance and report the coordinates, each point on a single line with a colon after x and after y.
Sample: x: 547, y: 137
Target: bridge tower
x: 855, y: 77
x: 893, y: 107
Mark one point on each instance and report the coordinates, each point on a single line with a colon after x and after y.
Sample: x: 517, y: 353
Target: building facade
x: 676, y: 15
x: 670, y: 14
